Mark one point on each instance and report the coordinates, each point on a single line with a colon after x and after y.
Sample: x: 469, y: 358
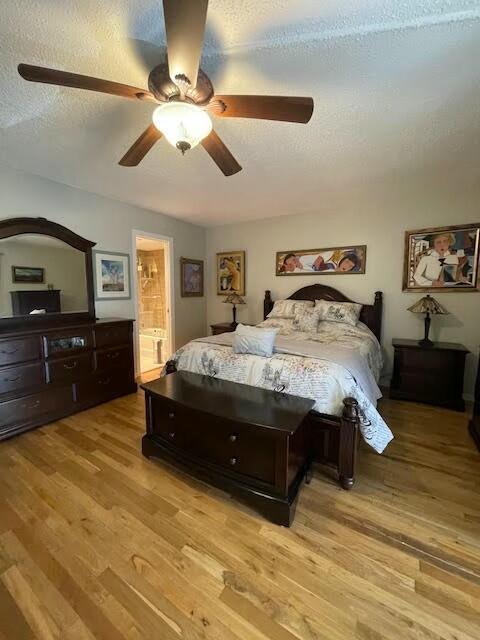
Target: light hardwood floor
x: 97, y: 542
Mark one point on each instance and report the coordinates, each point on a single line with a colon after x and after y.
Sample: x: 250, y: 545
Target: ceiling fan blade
x: 185, y: 28
x: 67, y: 79
x: 264, y: 108
x: 141, y: 147
x: 220, y: 154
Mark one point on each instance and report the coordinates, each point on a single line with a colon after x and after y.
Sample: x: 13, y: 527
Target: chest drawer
x: 244, y: 449
x: 112, y: 335
x: 102, y: 386
x: 69, y: 369
x: 426, y: 360
x: 21, y: 377
x: 34, y: 406
x: 67, y: 343
x: 115, y: 358
x: 19, y: 350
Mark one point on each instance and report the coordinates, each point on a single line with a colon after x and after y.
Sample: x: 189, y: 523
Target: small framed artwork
x: 316, y: 262
x: 31, y: 275
x: 191, y: 277
x: 111, y: 275
x: 231, y: 273
x: 442, y: 258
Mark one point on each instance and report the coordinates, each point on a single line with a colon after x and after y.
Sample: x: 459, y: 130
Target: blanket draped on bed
x: 326, y: 373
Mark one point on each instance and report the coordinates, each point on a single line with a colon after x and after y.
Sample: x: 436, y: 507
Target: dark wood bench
x: 253, y: 443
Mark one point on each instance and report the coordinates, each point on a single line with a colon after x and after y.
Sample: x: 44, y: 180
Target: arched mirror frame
x: 10, y: 227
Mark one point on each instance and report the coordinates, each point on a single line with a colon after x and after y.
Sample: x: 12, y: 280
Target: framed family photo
x: 442, y: 258
x: 315, y: 262
x: 111, y: 275
x: 231, y: 273
x: 191, y: 277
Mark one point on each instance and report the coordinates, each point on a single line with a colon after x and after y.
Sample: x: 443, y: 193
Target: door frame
x: 169, y: 291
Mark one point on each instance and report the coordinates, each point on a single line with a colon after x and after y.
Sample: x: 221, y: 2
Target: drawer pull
x: 8, y: 353
x: 112, y: 356
x: 233, y: 437
x: 233, y: 461
x: 70, y: 366
x: 171, y: 435
x: 105, y: 381
x: 12, y: 379
x: 171, y: 415
x: 35, y: 405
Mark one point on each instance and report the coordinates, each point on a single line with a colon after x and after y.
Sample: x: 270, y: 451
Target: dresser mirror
x: 45, y: 273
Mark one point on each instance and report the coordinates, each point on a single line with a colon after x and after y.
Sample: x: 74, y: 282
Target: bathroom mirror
x: 45, y: 273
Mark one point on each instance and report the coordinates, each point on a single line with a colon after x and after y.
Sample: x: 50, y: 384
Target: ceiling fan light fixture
x: 184, y: 125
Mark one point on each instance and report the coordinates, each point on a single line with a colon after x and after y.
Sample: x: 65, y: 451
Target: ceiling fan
x: 183, y: 92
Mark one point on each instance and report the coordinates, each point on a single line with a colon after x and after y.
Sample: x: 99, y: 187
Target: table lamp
x: 234, y: 299
x: 428, y: 306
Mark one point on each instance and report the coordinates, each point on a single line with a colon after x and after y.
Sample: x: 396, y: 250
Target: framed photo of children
x: 231, y: 273
x: 191, y: 277
x: 442, y: 258
x: 315, y: 262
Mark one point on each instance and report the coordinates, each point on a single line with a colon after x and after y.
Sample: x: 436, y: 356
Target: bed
x: 339, y: 368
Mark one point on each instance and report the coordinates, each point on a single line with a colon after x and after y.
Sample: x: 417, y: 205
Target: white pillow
x: 258, y: 342
x: 287, y: 308
x: 306, y: 319
x: 345, y: 312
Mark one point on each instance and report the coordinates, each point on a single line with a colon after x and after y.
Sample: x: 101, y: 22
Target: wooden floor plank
x: 98, y: 542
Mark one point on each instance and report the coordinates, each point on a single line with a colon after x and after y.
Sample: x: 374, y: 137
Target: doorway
x: 153, y: 284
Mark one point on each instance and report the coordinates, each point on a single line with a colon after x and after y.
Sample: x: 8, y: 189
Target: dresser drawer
x: 426, y: 360
x: 34, y: 406
x: 115, y: 358
x: 102, y: 386
x: 244, y: 449
x: 112, y: 335
x: 19, y: 350
x: 69, y: 369
x: 21, y: 377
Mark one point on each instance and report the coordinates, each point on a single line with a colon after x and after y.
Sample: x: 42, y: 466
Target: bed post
x: 170, y: 367
x: 347, y: 452
x: 377, y: 314
x: 267, y: 304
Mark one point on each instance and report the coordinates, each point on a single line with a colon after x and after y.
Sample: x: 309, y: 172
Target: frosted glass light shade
x: 183, y: 124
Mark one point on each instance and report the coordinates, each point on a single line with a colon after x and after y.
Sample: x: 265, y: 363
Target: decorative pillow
x: 346, y: 312
x: 306, y: 319
x: 285, y: 326
x: 258, y: 342
x: 286, y: 308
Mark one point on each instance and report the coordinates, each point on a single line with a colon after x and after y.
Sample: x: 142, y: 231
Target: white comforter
x: 336, y: 362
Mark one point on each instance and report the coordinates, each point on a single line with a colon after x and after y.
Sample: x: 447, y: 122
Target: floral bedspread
x: 326, y: 382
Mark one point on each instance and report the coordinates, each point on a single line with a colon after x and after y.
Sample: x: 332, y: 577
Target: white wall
x: 108, y: 223
x: 378, y: 218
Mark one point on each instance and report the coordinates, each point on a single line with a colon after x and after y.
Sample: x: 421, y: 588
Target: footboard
x: 334, y: 439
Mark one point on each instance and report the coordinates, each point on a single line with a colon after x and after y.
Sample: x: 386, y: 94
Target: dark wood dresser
x: 429, y: 374
x: 49, y: 373
x: 251, y: 442
x: 474, y: 425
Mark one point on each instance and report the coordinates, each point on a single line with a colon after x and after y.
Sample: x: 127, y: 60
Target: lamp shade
x: 183, y: 124
x: 234, y: 298
x: 427, y: 304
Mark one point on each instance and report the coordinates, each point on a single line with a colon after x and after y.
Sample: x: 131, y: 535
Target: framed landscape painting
x: 442, y: 258
x: 191, y: 277
x: 31, y: 275
x: 231, y: 273
x: 112, y: 275
x: 315, y: 262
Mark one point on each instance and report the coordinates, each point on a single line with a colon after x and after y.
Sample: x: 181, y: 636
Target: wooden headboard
x: 371, y: 314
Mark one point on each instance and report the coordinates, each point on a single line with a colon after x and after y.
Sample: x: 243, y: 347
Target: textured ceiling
x: 396, y: 88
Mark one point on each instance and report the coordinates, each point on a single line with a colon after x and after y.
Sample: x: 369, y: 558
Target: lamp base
x: 426, y: 343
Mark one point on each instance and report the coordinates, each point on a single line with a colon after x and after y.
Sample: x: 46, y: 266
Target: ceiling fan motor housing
x: 165, y: 89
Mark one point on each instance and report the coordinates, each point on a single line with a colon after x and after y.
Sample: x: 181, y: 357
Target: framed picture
x: 191, y: 277
x: 33, y: 275
x: 316, y: 262
x: 112, y: 275
x: 442, y: 258
x: 231, y: 273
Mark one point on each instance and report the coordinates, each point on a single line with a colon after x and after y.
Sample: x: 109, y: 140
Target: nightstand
x: 429, y: 374
x: 222, y: 327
